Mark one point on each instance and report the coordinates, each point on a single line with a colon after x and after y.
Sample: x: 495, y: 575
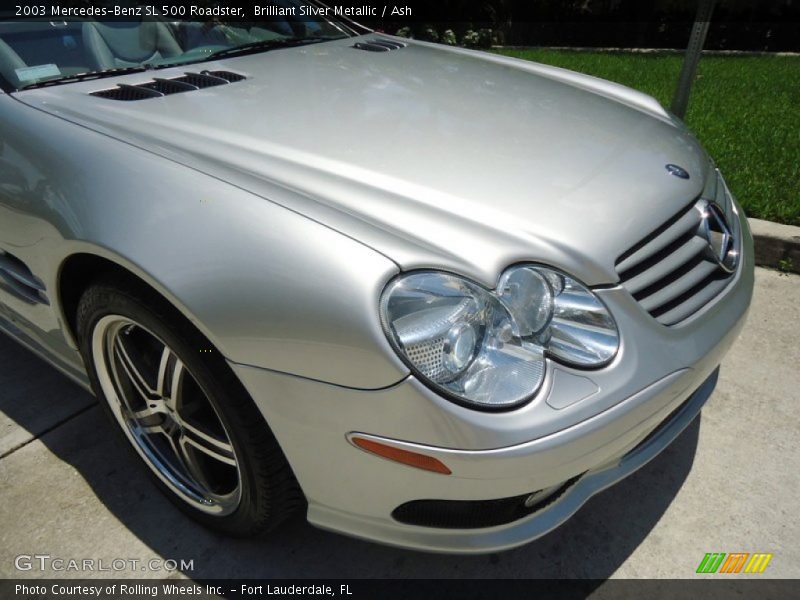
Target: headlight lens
x: 488, y: 348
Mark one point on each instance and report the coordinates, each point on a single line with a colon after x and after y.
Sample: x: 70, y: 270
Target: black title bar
x: 410, y: 12
x: 706, y: 587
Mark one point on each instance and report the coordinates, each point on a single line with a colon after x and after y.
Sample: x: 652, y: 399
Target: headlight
x: 488, y: 348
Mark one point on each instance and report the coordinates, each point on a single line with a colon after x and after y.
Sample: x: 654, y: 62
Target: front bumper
x: 522, y: 531
x: 352, y: 492
x: 625, y: 415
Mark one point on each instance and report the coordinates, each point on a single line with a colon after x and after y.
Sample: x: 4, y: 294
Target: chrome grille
x: 672, y: 272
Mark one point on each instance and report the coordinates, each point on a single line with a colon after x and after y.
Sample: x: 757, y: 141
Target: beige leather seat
x: 125, y: 44
x: 9, y: 63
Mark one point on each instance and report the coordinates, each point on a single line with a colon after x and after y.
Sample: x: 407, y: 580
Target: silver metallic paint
x: 272, y: 213
x: 518, y: 533
x: 398, y: 150
x: 226, y: 258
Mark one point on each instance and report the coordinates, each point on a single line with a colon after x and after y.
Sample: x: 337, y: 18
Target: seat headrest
x: 9, y: 63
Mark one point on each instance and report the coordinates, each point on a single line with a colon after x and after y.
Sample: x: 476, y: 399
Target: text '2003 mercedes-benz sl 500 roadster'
x: 436, y: 298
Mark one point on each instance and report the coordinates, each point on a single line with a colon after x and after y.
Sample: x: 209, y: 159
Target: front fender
x: 269, y: 287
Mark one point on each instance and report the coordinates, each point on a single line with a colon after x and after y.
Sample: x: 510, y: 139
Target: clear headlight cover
x: 488, y: 348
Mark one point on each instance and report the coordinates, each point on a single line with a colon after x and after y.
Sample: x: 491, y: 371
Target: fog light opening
x: 542, y: 495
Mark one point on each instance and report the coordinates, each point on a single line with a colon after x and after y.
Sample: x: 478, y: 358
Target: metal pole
x: 696, y: 42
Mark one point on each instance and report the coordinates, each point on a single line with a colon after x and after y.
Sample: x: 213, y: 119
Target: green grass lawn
x: 745, y: 110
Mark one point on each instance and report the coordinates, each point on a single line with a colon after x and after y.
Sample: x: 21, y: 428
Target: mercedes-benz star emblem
x: 678, y: 171
x: 721, y: 243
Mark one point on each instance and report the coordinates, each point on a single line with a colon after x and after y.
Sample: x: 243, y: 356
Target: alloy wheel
x: 167, y: 415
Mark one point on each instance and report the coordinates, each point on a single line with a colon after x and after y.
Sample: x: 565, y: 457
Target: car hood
x: 434, y: 157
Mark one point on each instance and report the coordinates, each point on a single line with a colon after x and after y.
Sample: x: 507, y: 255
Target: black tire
x: 269, y: 492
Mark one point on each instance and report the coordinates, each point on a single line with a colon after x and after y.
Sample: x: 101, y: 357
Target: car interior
x: 23, y: 45
x: 34, y: 51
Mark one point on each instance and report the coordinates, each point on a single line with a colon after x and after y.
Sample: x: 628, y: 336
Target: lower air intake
x: 477, y: 514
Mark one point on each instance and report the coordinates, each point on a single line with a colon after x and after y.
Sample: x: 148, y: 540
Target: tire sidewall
x: 101, y: 301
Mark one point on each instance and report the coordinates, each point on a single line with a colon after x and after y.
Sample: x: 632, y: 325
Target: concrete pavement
x: 730, y: 483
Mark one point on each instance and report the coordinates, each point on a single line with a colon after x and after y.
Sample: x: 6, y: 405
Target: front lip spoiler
x: 518, y: 533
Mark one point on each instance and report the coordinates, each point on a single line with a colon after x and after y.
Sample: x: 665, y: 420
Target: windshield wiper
x: 264, y: 45
x: 87, y: 76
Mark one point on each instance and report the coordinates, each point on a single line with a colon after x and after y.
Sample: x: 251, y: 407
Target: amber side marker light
x: 412, y: 459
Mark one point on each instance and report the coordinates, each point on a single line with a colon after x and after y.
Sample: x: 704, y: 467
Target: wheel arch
x: 81, y: 269
x: 78, y: 272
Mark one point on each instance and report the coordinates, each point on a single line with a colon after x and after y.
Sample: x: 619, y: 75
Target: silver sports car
x: 433, y: 297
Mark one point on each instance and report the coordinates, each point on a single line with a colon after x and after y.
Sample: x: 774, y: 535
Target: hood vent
x: 160, y: 86
x: 379, y: 45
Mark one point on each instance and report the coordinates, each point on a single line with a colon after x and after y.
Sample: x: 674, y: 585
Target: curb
x: 777, y: 246
x: 647, y: 50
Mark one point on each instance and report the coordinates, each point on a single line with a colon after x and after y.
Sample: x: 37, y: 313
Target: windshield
x: 51, y: 52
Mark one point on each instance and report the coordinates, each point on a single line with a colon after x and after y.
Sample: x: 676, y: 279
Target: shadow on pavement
x: 593, y: 544
x: 33, y: 396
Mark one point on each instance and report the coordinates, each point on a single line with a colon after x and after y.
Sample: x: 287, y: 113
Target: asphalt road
x: 730, y: 483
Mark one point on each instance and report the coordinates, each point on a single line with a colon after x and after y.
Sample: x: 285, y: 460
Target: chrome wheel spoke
x: 170, y: 378
x: 140, y: 415
x: 186, y: 462
x: 134, y: 376
x: 151, y: 429
x: 217, y: 449
x: 148, y: 420
x: 189, y: 460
